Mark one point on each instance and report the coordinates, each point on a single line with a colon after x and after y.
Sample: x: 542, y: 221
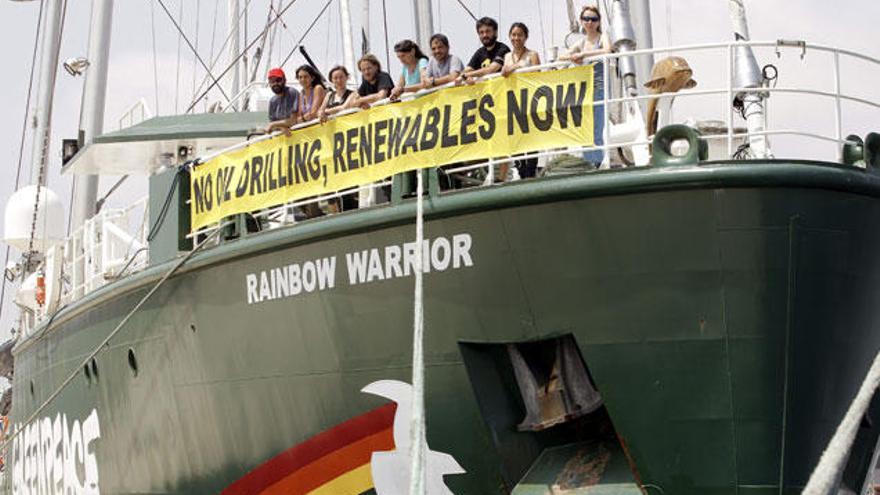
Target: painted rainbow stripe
x: 334, y: 462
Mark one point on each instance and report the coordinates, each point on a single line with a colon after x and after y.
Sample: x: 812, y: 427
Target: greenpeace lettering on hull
x: 55, y: 456
x: 362, y: 267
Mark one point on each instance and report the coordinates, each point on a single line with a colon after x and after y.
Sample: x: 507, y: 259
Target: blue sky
x: 675, y: 22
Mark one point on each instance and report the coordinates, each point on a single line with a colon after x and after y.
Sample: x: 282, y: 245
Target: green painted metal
x: 169, y: 215
x: 181, y: 127
x: 662, y: 156
x: 688, y: 289
x: 853, y: 150
x: 872, y: 151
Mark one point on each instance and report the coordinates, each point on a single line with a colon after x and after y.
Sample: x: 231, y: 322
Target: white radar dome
x: 19, y: 217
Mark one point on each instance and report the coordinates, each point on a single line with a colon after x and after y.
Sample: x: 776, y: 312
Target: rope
x: 235, y: 61
x: 24, y: 126
x: 306, y: 33
x: 826, y: 476
x: 106, y: 340
x: 417, y: 422
x: 191, y: 47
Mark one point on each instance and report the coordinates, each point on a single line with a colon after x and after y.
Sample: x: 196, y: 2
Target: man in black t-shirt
x: 489, y: 58
x: 376, y: 86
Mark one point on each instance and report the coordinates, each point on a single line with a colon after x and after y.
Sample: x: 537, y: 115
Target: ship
x: 696, y: 320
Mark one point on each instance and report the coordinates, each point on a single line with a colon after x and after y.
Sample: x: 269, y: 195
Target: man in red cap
x: 284, y: 105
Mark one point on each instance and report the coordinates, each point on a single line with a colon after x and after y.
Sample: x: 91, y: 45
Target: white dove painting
x: 390, y: 469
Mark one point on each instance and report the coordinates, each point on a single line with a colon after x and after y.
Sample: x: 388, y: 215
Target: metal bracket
x: 791, y: 44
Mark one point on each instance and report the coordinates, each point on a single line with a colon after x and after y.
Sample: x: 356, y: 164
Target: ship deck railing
x: 108, y: 246
x: 725, y: 139
x: 725, y: 145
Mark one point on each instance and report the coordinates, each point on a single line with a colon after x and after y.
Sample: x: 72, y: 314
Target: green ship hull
x: 725, y: 312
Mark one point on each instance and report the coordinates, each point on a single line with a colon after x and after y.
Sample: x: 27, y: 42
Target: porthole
x: 95, y: 369
x: 132, y: 362
x: 32, y: 388
x: 88, y: 373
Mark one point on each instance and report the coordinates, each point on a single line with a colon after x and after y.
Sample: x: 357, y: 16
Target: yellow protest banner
x: 495, y: 118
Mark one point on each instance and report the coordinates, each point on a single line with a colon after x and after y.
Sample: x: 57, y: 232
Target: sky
x: 675, y: 22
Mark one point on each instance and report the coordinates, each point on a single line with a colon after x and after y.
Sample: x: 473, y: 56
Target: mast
x: 747, y: 74
x: 48, y: 70
x: 424, y: 23
x: 641, y: 19
x: 347, y: 43
x: 91, y: 121
x: 365, y: 29
x: 234, y: 48
x: 574, y: 24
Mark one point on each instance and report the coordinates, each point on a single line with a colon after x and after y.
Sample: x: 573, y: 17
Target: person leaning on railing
x: 412, y: 72
x: 520, y: 57
x: 593, y: 43
x: 443, y: 68
x: 339, y: 98
x: 489, y: 58
x: 284, y: 105
x: 376, y: 85
x: 313, y: 91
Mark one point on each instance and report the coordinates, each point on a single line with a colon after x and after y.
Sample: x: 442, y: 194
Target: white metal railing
x: 114, y: 242
x: 111, y: 244
x: 136, y: 113
x: 730, y: 138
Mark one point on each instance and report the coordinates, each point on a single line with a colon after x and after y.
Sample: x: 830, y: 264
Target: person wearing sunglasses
x: 284, y: 105
x: 594, y: 43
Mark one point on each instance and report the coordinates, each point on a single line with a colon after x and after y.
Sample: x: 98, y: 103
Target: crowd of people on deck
x: 318, y: 99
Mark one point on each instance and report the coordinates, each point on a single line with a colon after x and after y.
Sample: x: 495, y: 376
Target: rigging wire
x: 466, y: 9
x: 235, y: 61
x: 105, y: 343
x: 216, y: 59
x: 196, y: 53
x: 24, y: 127
x: 541, y: 27
x: 198, y: 15
x: 155, y: 57
x: 439, y: 12
x: 44, y: 161
x: 387, y: 46
x: 273, y: 36
x: 327, y: 42
x: 232, y: 64
x: 177, y: 73
x: 261, y: 51
x: 306, y: 33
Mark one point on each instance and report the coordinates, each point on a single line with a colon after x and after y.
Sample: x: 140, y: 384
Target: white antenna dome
x: 19, y: 216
